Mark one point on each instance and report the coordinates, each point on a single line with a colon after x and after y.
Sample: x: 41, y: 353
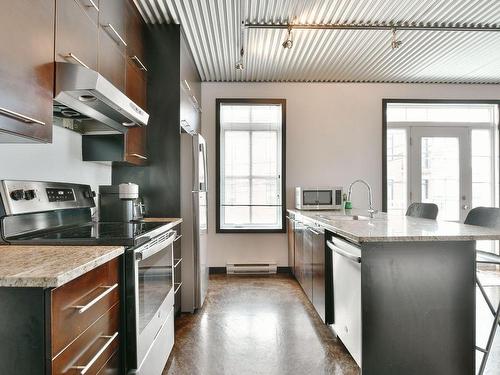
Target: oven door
x: 150, y: 294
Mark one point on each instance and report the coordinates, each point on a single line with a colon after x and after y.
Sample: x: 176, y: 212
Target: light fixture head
x: 288, y: 43
x: 395, y: 43
x: 239, y: 66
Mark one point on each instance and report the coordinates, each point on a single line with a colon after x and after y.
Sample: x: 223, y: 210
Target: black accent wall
x: 159, y: 180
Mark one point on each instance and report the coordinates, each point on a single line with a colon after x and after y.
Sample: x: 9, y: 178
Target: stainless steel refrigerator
x: 194, y: 212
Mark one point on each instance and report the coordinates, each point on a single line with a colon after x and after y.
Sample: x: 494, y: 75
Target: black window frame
x: 250, y: 101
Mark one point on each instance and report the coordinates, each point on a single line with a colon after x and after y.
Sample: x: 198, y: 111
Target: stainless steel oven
x: 328, y: 198
x: 150, y: 301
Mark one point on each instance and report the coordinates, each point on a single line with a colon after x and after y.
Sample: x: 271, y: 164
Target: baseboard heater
x: 251, y: 268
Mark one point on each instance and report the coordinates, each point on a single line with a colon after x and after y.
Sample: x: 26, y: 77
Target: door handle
x: 110, y: 26
x: 86, y: 368
x: 83, y: 308
x: 20, y: 117
x: 345, y: 254
x: 139, y: 63
x: 71, y: 55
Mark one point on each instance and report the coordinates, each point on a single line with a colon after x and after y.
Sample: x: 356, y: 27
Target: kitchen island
x: 403, y: 288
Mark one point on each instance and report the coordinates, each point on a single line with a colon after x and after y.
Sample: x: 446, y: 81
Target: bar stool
x: 486, y: 217
x: 423, y: 210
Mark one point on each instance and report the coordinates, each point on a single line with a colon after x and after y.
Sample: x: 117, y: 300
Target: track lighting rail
x: 374, y: 26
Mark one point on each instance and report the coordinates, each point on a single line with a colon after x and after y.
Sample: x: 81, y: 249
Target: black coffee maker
x: 120, y: 203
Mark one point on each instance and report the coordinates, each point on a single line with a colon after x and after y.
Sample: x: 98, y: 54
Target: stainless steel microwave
x: 329, y: 198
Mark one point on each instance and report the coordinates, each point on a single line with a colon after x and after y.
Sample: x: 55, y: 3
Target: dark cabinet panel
x: 76, y: 33
x: 291, y: 243
x: 307, y: 282
x: 299, y: 252
x: 318, y: 272
x: 111, y: 61
x: 135, y: 35
x: 112, y: 19
x: 27, y: 74
x: 135, y: 146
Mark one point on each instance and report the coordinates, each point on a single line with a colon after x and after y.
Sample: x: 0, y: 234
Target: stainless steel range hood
x: 83, y: 94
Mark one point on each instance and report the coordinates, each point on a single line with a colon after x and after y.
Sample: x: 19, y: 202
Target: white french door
x: 440, y: 169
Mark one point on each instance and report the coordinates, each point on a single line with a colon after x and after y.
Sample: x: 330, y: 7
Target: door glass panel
x: 481, y: 168
x: 155, y: 282
x: 397, y: 161
x: 441, y: 175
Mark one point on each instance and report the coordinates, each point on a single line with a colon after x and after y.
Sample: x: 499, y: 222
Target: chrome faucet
x: 371, y: 210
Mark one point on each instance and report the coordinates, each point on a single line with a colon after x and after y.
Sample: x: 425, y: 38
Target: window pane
x: 482, y: 187
x: 266, y: 215
x: 237, y: 153
x: 265, y: 191
x: 441, y: 175
x: 265, y: 153
x: 398, y: 112
x: 396, y: 171
x: 237, y: 215
x: 236, y: 191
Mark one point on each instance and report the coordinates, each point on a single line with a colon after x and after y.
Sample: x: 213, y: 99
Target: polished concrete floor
x: 265, y: 325
x: 256, y: 325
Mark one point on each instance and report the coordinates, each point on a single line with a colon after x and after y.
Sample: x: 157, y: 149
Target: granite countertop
x: 392, y: 228
x: 172, y: 220
x: 50, y: 266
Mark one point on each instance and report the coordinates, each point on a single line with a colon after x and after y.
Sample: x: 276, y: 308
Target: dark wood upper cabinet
x: 111, y: 61
x: 27, y: 71
x: 112, y: 20
x: 76, y: 32
x: 135, y: 36
x: 190, y: 90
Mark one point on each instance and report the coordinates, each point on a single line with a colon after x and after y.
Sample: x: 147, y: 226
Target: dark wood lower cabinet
x: 66, y: 330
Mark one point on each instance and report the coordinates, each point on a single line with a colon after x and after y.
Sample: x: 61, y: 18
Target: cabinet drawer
x: 78, y: 304
x: 93, y: 348
x: 111, y: 61
x: 76, y: 34
x: 112, y: 367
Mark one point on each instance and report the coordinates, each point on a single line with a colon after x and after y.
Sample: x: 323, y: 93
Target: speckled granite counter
x: 50, y: 266
x: 387, y: 228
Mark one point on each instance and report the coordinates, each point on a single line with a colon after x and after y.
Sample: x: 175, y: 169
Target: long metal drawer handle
x: 139, y: 63
x: 313, y: 231
x: 343, y: 253
x: 71, y: 55
x: 178, y: 237
x: 20, y: 117
x: 109, y: 341
x: 116, y: 33
x: 83, y: 308
x: 139, y: 156
x: 93, y: 5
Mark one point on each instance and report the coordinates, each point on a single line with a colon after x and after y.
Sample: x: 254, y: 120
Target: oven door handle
x: 148, y: 251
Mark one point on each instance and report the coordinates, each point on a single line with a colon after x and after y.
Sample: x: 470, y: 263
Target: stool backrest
x: 484, y: 217
x: 423, y: 210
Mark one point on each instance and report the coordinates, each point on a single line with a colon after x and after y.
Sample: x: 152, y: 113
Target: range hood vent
x: 86, y: 96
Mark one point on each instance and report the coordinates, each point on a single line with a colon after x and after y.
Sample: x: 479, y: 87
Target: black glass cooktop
x: 126, y: 234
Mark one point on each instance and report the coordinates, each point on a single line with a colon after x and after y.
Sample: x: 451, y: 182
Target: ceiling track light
x: 395, y: 43
x: 239, y: 65
x: 288, y: 43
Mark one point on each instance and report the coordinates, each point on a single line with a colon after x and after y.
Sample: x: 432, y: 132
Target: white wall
x: 334, y: 135
x: 60, y: 161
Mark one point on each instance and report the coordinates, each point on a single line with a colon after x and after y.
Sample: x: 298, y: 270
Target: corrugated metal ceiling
x: 212, y: 29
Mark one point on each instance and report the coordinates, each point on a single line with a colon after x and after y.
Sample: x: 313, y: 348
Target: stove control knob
x: 29, y: 195
x: 89, y: 194
x: 17, y: 195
